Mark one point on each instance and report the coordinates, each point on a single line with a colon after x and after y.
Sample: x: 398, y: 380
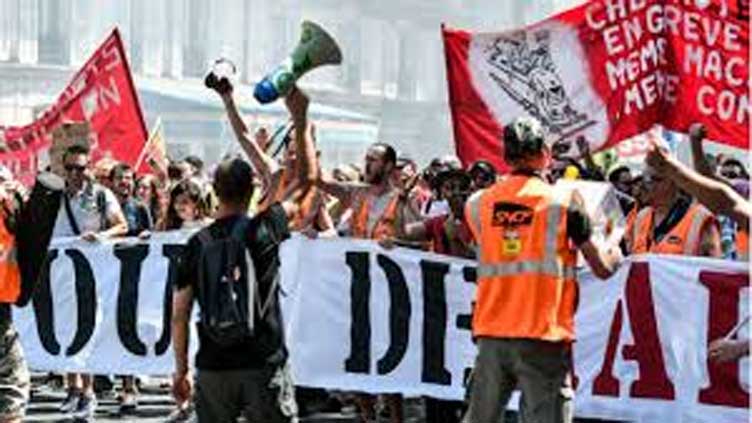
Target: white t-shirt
x: 85, y: 211
x: 436, y: 208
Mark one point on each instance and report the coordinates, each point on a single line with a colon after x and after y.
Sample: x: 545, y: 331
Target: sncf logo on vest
x: 511, y: 215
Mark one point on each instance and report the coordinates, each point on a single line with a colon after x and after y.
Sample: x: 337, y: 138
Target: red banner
x: 607, y: 70
x: 101, y: 93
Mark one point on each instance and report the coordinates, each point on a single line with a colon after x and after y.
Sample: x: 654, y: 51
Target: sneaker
x: 86, y: 407
x: 70, y: 403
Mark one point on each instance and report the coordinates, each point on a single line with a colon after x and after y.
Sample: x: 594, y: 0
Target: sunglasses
x: 74, y: 167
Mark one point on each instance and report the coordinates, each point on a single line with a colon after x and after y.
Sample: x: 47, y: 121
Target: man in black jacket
x: 25, y: 232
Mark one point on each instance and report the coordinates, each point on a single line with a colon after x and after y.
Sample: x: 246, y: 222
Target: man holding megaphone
x: 285, y: 183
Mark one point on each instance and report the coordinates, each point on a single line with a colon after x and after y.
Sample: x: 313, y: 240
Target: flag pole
x: 148, y: 142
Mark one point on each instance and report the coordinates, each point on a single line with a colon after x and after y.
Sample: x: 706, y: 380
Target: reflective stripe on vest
x: 692, y: 243
x: 639, y: 222
x: 549, y: 263
x: 383, y: 226
x: 546, y: 267
x: 688, y: 229
x: 473, y: 208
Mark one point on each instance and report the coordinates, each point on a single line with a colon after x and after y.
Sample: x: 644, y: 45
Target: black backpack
x: 227, y: 287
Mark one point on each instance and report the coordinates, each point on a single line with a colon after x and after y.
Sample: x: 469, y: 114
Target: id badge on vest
x: 511, y: 245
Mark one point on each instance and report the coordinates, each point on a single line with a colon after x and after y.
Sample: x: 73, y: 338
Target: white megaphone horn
x: 315, y: 48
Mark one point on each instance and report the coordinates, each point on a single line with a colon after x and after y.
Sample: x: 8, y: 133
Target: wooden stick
x: 732, y: 333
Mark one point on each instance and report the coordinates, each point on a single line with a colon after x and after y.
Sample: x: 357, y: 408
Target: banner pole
x: 147, y: 144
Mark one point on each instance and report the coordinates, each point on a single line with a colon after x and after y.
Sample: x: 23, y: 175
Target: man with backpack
x: 92, y: 212
x: 231, y: 268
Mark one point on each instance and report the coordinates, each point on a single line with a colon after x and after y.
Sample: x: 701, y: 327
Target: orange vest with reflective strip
x: 385, y: 227
x: 632, y: 215
x: 527, y: 284
x: 10, y: 275
x: 683, y: 239
x: 742, y: 245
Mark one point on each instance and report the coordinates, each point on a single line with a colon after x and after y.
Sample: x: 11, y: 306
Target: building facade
x: 393, y: 68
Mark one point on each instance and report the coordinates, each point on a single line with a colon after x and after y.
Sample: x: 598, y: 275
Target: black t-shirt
x: 266, y: 231
x: 137, y: 215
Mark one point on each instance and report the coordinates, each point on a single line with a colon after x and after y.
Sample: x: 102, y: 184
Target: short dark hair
x: 613, y: 176
x: 174, y: 171
x: 119, y: 169
x: 233, y: 181
x: 76, y: 149
x: 195, y: 162
x: 390, y: 154
x: 483, y: 167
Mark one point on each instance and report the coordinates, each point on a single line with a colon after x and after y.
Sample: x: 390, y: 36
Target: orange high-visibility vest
x: 527, y: 284
x: 385, y: 227
x: 632, y: 215
x: 10, y: 274
x: 683, y: 239
x: 742, y: 245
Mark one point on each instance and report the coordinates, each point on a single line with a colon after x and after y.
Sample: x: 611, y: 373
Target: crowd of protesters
x: 669, y: 208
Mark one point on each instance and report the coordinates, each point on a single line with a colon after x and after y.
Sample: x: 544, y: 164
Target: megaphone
x: 316, y: 48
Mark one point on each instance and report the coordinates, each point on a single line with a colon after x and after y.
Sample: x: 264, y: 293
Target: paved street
x: 155, y: 405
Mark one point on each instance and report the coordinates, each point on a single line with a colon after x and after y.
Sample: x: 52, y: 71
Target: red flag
x: 102, y: 93
x: 606, y: 70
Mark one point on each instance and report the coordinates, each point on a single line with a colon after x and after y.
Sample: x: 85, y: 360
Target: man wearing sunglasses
x: 672, y: 223
x: 92, y: 212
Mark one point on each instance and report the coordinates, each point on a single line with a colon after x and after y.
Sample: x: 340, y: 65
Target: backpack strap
x: 239, y: 234
x: 102, y: 208
x: 71, y: 219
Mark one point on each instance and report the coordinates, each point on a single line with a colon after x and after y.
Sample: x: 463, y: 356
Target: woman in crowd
x: 186, y: 208
x: 149, y: 191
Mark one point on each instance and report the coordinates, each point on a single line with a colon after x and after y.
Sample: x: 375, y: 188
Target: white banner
x: 362, y: 318
x: 102, y: 308
x: 367, y: 319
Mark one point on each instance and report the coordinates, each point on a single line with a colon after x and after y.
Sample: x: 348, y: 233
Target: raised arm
x: 343, y: 191
x: 265, y: 165
x: 307, y: 163
x: 716, y: 196
x: 697, y: 133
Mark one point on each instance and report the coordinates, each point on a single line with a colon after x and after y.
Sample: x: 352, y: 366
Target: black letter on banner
x: 360, y: 329
x: 86, y: 295
x: 131, y: 257
x: 434, y: 322
x: 43, y: 310
x: 173, y: 253
x: 464, y: 321
x: 399, y: 316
